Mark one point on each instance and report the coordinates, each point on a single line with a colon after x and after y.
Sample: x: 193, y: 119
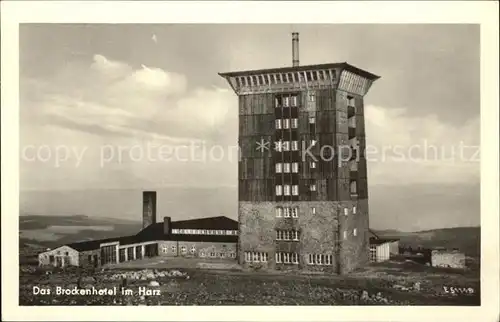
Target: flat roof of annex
x: 343, y: 66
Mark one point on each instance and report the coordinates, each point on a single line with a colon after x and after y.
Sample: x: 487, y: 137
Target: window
x: 312, y: 165
x: 173, y: 249
x: 295, y: 190
x: 193, y: 249
x: 311, y: 97
x: 286, y: 167
x: 354, y: 210
x: 346, y: 211
x: 232, y: 255
x: 353, y: 188
x: 202, y: 254
x: 293, y: 101
x: 51, y: 258
x: 278, y: 123
x: 279, y: 191
x: 286, y: 146
x: 255, y: 257
x: 355, y: 232
x: 287, y: 190
x: 279, y: 211
x: 175, y: 231
x: 350, y: 101
x: 313, y: 142
x: 313, y: 210
x: 312, y: 187
x: 89, y: 258
x: 315, y: 76
x: 164, y: 249
x: 278, y: 146
x: 319, y: 259
x: 287, y: 258
x: 212, y: 254
x: 295, y: 146
x: 279, y: 168
x: 286, y: 212
x: 295, y: 166
x: 277, y: 102
x: 286, y: 123
x: 295, y: 212
x: 295, y: 123
x: 183, y: 249
x: 286, y: 101
x: 345, y: 234
x: 312, y: 119
x: 295, y: 235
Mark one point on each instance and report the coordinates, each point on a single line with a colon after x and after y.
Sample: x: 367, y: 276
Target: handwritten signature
x: 458, y: 290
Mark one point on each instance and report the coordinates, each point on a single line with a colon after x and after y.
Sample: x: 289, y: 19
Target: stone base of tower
x: 329, y: 240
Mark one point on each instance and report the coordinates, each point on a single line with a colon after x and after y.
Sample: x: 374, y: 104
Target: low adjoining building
x: 448, y: 258
x: 382, y: 249
x: 214, y: 237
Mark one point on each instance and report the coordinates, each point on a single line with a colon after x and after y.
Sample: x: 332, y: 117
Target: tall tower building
x: 303, y: 195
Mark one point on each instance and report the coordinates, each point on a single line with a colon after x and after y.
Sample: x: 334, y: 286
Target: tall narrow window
x: 286, y: 145
x: 313, y: 210
x: 279, y: 167
x: 286, y: 101
x: 295, y: 146
x: 279, y: 190
x: 312, y: 165
x: 295, y: 212
x: 345, y: 234
x: 286, y: 212
x: 295, y: 190
x: 295, y: 166
x: 350, y: 101
x: 346, y: 211
x: 293, y: 102
x: 286, y: 123
x: 279, y: 211
x: 355, y: 232
x: 312, y: 119
x: 287, y: 190
x: 312, y: 187
x: 278, y: 124
x: 354, y: 210
x: 286, y: 167
x: 295, y: 123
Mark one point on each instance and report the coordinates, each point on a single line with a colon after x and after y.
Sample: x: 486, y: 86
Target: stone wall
x: 64, y: 255
x: 452, y: 259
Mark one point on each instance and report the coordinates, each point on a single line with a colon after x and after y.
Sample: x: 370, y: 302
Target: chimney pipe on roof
x: 295, y: 49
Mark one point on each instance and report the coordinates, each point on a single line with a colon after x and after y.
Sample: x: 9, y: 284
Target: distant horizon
x: 139, y: 222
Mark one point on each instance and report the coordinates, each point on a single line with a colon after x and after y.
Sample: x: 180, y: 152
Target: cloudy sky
x: 91, y: 91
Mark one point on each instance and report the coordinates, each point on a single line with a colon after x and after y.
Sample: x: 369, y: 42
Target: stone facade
x: 318, y: 231
x: 90, y: 258
x: 197, y: 249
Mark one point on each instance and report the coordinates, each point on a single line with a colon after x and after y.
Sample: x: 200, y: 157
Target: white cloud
x: 420, y: 149
x: 109, y: 103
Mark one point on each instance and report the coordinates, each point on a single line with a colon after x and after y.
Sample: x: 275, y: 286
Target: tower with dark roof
x: 302, y: 175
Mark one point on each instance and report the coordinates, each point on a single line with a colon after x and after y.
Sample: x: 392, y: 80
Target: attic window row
x: 204, y: 232
x: 284, y: 78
